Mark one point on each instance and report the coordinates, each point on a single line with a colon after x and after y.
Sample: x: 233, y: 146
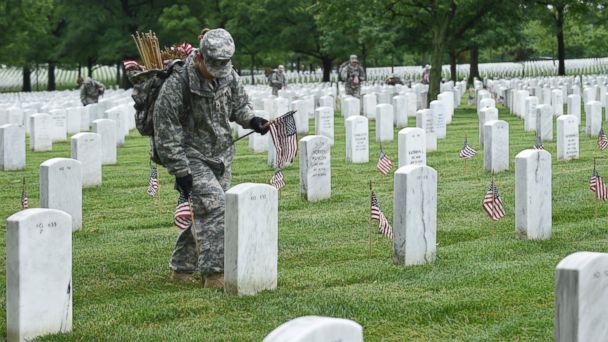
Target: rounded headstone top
x: 60, y: 161
x: 38, y: 213
x: 247, y: 187
x: 532, y: 152
x: 579, y: 260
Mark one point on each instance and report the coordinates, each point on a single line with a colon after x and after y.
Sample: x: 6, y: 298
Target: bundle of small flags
x: 183, y: 215
x: 277, y: 180
x: 597, y: 186
x: 538, y: 145
x: 25, y: 202
x: 602, y: 141
x: 284, y: 135
x: 131, y: 65
x: 376, y: 214
x: 153, y: 182
x: 492, y: 203
x: 384, y: 165
x: 467, y: 152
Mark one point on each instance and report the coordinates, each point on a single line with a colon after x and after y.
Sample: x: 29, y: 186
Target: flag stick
x: 465, y: 166
x: 369, y: 226
x: 267, y: 124
x: 192, y: 229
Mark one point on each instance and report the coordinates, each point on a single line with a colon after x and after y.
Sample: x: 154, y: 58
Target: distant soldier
x: 353, y: 75
x: 278, y: 80
x: 393, y: 80
x: 426, y: 74
x: 90, y: 90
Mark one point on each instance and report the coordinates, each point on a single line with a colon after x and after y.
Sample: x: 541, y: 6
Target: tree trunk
x: 118, y: 78
x: 298, y: 64
x: 474, y: 69
x: 561, y: 47
x: 252, y: 67
x: 27, y: 81
x: 79, y: 70
x: 50, y: 86
x: 326, y: 67
x: 453, y: 61
x: 125, y: 83
x: 436, y: 62
x: 90, y: 67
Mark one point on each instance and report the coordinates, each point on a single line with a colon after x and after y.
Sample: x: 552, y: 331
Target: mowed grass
x: 484, y: 286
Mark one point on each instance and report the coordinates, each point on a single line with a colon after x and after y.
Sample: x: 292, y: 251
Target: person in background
x: 278, y: 80
x: 353, y: 75
x: 426, y: 74
x: 90, y: 90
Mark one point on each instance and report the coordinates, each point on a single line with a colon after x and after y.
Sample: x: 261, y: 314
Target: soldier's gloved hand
x: 259, y: 125
x: 185, y: 183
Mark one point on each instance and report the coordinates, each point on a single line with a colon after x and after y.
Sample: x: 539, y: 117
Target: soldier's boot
x: 214, y: 281
x: 183, y: 277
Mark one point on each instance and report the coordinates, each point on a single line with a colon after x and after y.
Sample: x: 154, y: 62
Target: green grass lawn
x: 485, y: 284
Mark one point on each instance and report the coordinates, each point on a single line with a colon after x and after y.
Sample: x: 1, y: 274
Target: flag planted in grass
x: 283, y: 131
x: 153, y: 182
x: 183, y: 216
x: 376, y: 214
x: 467, y: 152
x: 384, y: 165
x: 277, y: 180
x: 597, y: 186
x: 25, y: 202
x: 602, y: 141
x: 538, y: 145
x: 492, y: 203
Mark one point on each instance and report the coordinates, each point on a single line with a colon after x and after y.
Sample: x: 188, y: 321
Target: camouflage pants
x: 209, y: 204
x: 353, y: 91
x: 275, y: 91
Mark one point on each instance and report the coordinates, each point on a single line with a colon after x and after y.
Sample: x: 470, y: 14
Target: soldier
x: 393, y: 80
x: 193, y: 139
x: 90, y: 90
x: 278, y: 80
x: 426, y: 74
x: 352, y: 74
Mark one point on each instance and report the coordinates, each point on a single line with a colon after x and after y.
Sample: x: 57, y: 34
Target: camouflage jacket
x: 194, y: 122
x: 278, y: 80
x: 90, y: 91
x: 349, y: 72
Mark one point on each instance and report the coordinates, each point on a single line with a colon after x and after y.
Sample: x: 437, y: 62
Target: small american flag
x: 384, y: 165
x: 492, y: 203
x: 602, y: 141
x: 183, y: 216
x: 277, y: 180
x: 132, y: 65
x: 283, y: 131
x: 185, y: 47
x: 153, y: 182
x: 597, y: 186
x: 25, y: 202
x: 538, y: 145
x: 467, y: 152
x: 376, y: 214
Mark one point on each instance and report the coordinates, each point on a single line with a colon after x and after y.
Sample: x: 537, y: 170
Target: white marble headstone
x: 425, y: 120
x: 574, y: 106
x: 61, y: 187
x: 73, y: 116
x: 251, y: 239
x: 12, y: 147
x: 581, y: 298
x: 324, y: 123
x: 567, y: 137
x: 59, y: 128
x: 40, y: 133
x: 107, y: 130
x: 544, y: 122
x: 400, y: 111
x: 486, y: 115
x: 38, y: 274
x: 412, y: 146
x: 317, y: 329
x: 439, y: 118
x: 415, y: 215
x: 86, y: 147
x: 384, y: 123
x: 593, y: 117
x: 369, y: 105
x: 315, y: 167
x: 533, y: 195
x: 496, y: 146
x: 357, y: 139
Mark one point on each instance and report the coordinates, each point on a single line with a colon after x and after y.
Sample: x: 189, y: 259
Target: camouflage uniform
x: 349, y: 73
x: 277, y: 81
x: 90, y: 91
x: 193, y: 136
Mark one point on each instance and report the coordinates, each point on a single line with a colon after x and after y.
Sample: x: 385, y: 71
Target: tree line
x: 305, y: 34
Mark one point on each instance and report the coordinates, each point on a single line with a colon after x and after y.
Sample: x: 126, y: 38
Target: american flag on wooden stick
x: 597, y: 186
x: 153, y: 182
x: 376, y: 214
x: 25, y: 202
x: 283, y: 131
x: 492, y: 203
x: 602, y: 141
x: 183, y: 216
x: 277, y: 180
x: 538, y: 145
x: 384, y: 165
x: 467, y: 152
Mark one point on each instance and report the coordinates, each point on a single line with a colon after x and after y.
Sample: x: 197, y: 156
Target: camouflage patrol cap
x: 217, y: 47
